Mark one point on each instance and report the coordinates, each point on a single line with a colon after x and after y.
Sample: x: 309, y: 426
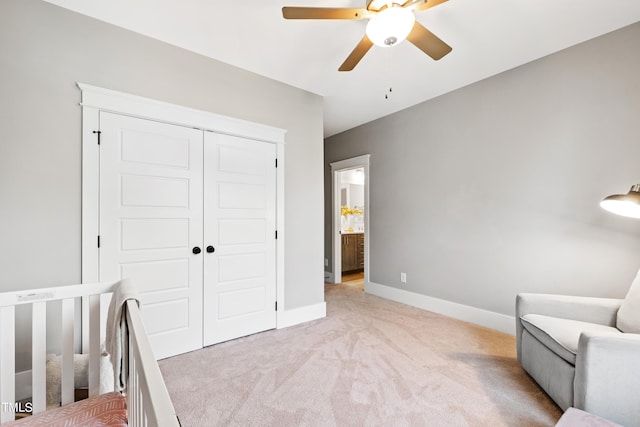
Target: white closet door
x: 239, y: 235
x: 150, y: 221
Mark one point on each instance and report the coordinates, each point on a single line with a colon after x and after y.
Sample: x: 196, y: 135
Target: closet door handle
x: 211, y: 249
x: 196, y: 250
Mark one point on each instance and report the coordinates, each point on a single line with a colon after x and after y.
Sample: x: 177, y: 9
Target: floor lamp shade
x: 624, y: 204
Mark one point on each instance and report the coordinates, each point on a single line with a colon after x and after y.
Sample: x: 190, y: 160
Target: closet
x: 190, y: 215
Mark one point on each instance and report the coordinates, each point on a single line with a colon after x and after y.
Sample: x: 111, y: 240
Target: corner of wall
x: 299, y: 315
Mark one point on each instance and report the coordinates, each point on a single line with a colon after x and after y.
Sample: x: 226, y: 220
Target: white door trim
x: 138, y: 106
x: 336, y: 240
x: 95, y: 99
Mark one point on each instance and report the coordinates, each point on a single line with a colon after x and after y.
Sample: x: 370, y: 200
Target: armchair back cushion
x: 628, y: 319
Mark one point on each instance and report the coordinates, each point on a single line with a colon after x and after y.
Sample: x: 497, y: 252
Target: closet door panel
x: 151, y: 217
x: 239, y: 204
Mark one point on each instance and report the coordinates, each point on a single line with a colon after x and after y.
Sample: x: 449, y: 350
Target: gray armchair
x: 573, y: 349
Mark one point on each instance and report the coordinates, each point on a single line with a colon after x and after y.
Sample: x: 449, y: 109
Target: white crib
x: 147, y: 400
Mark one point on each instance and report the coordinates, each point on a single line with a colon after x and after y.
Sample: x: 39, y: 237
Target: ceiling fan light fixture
x: 390, y: 26
x: 624, y: 204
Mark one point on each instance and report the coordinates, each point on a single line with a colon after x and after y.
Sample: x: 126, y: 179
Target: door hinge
x: 276, y: 162
x: 98, y: 133
x: 276, y: 234
x: 98, y: 241
x: 276, y: 305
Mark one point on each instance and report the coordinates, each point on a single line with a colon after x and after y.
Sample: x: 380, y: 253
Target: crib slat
x: 39, y: 356
x: 132, y: 395
x: 135, y: 391
x: 94, y: 345
x: 140, y: 401
x: 68, y: 386
x: 7, y: 360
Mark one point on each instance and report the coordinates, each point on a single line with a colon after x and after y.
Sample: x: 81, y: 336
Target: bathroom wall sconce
x: 624, y: 204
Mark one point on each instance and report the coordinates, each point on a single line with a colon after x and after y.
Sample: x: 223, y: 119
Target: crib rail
x: 38, y: 299
x: 148, y: 401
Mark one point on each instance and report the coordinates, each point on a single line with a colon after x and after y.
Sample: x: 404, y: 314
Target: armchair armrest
x: 602, y: 311
x: 607, y: 379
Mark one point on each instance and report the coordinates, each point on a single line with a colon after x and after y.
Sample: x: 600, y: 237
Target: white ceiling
x: 487, y: 36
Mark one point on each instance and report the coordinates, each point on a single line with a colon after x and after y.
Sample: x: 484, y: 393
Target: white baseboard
x: 486, y: 318
x: 328, y: 277
x: 296, y: 316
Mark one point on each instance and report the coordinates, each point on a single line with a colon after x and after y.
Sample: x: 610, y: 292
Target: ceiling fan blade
x: 428, y: 4
x: 356, y: 55
x: 428, y: 42
x: 323, y: 13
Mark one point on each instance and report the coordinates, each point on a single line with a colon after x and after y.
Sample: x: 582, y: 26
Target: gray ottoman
x: 577, y: 418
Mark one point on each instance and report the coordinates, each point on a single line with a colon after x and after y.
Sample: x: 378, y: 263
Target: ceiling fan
x: 389, y: 24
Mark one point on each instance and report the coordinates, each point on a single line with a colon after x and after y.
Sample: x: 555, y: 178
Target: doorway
x: 350, y: 218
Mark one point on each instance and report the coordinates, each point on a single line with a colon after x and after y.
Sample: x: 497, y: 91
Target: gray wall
x: 493, y: 189
x: 44, y: 51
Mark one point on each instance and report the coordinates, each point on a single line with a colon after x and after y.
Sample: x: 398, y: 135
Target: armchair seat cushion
x: 562, y: 335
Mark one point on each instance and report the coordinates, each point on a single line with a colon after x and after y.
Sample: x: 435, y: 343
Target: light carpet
x: 370, y: 362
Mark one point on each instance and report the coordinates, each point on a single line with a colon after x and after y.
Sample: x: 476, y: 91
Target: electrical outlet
x: 326, y: 262
x: 403, y: 277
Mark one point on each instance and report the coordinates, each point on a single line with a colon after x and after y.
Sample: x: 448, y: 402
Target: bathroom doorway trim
x: 336, y: 240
